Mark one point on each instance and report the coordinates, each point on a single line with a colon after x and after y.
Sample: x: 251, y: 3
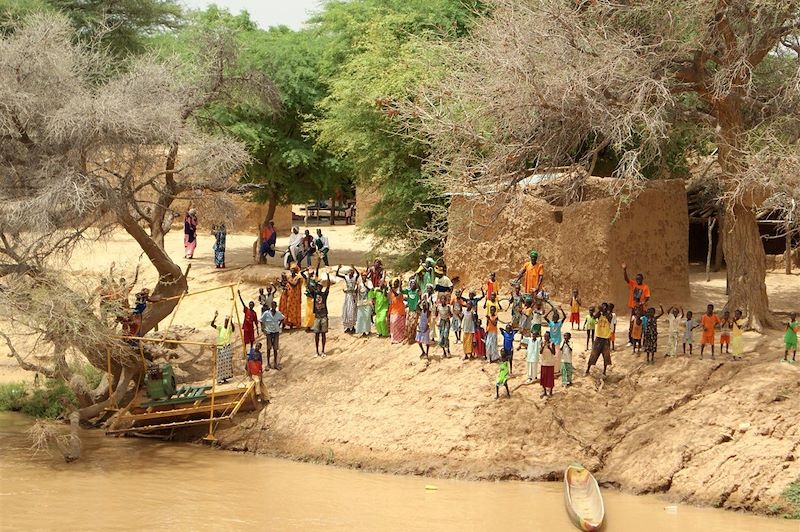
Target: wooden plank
x: 176, y: 412
x: 162, y: 426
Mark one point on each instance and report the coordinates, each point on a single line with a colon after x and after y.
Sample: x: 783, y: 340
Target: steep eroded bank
x: 710, y: 432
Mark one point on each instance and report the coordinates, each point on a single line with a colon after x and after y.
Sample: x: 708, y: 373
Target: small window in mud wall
x: 558, y: 216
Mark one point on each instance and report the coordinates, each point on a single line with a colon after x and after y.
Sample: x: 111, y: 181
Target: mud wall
x: 581, y: 246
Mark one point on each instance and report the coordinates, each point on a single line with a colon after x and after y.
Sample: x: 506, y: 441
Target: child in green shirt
x: 502, y: 377
x: 790, y: 338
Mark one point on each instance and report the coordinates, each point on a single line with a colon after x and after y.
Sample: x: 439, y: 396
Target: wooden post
x: 210, y: 435
x: 110, y: 381
x: 787, y: 255
x: 333, y: 210
x: 711, y: 223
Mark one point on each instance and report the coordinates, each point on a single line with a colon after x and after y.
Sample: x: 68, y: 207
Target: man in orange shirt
x: 710, y: 322
x: 532, y: 275
x: 638, y: 293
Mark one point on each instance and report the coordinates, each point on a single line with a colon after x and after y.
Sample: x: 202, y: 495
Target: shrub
x: 12, y: 396
x: 50, y: 400
x: 792, y: 494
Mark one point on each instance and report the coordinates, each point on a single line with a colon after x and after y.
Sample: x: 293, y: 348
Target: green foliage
x: 12, y: 11
x: 378, y: 54
x: 122, y: 25
x: 12, y: 395
x: 792, y: 494
x: 50, y: 400
x: 90, y: 374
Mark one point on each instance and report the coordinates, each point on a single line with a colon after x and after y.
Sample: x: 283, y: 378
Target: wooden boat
x: 583, y: 499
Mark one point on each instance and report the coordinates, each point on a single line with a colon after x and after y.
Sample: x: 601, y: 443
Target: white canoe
x: 583, y: 499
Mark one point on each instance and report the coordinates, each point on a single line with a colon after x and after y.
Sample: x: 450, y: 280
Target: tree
x: 122, y: 25
x: 377, y: 53
x: 284, y: 160
x: 543, y: 83
x: 78, y: 158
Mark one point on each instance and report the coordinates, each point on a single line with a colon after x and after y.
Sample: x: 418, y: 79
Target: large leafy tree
x: 377, y: 53
x: 121, y: 25
x: 549, y: 83
x: 284, y: 160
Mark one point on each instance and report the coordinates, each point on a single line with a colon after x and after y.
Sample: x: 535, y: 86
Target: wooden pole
x: 711, y: 223
x: 187, y: 294
x: 175, y: 310
x: 160, y: 340
x: 787, y: 256
x: 239, y: 322
x: 110, y: 380
x: 210, y: 435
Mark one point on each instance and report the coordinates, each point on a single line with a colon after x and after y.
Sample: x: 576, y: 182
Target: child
x: 725, y: 332
x: 424, y: 331
x: 255, y: 370
x: 444, y: 315
x: 532, y: 355
x: 575, y: 310
x: 469, y: 330
x: 710, y: 323
x: 613, y: 326
x: 688, y: 327
x: 458, y: 313
x: 515, y: 304
x: 502, y: 379
x: 492, y: 355
x: 492, y: 303
x: 736, y: 335
x: 651, y: 335
x: 548, y: 357
x: 636, y: 330
x: 589, y: 325
x: 674, y: 323
x: 265, y: 299
x: 480, y: 340
x: 490, y: 286
x: 566, y: 360
x: 537, y: 317
x: 508, y: 346
x: 555, y: 323
x: 790, y: 338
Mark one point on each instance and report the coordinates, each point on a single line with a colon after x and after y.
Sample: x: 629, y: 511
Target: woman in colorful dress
x: 293, y: 292
x: 397, y: 313
x: 363, y: 307
x: 224, y: 348
x: 350, y: 293
x: 220, y: 234
x: 380, y: 298
x: 492, y: 353
x: 189, y: 233
x: 412, y: 297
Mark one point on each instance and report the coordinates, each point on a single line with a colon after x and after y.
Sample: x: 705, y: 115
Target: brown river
x: 133, y: 484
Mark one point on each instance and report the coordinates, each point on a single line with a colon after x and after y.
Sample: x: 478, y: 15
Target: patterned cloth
x: 364, y: 312
x: 220, y: 236
x: 349, y: 307
x: 224, y: 362
x: 397, y: 327
x: 412, y: 320
x: 650, y: 340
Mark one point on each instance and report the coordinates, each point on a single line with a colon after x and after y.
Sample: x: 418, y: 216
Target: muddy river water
x: 134, y: 484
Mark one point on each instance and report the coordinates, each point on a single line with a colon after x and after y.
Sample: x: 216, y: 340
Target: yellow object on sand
x: 431, y: 487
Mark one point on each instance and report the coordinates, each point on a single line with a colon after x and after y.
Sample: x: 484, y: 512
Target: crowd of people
x: 430, y: 310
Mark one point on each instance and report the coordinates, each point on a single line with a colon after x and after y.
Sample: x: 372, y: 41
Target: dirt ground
x: 713, y: 432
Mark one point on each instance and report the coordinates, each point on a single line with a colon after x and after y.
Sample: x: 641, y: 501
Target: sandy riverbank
x: 710, y: 432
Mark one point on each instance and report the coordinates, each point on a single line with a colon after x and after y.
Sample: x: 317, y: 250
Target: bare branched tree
x: 546, y: 83
x: 79, y: 157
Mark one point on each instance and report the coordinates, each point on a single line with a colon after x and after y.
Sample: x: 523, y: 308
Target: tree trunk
x: 720, y: 253
x: 747, y: 267
x: 711, y: 222
x: 787, y: 256
x: 744, y: 251
x: 333, y: 210
x: 272, y: 205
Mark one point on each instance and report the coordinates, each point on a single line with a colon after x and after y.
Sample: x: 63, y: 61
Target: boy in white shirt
x: 532, y: 356
x: 674, y: 321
